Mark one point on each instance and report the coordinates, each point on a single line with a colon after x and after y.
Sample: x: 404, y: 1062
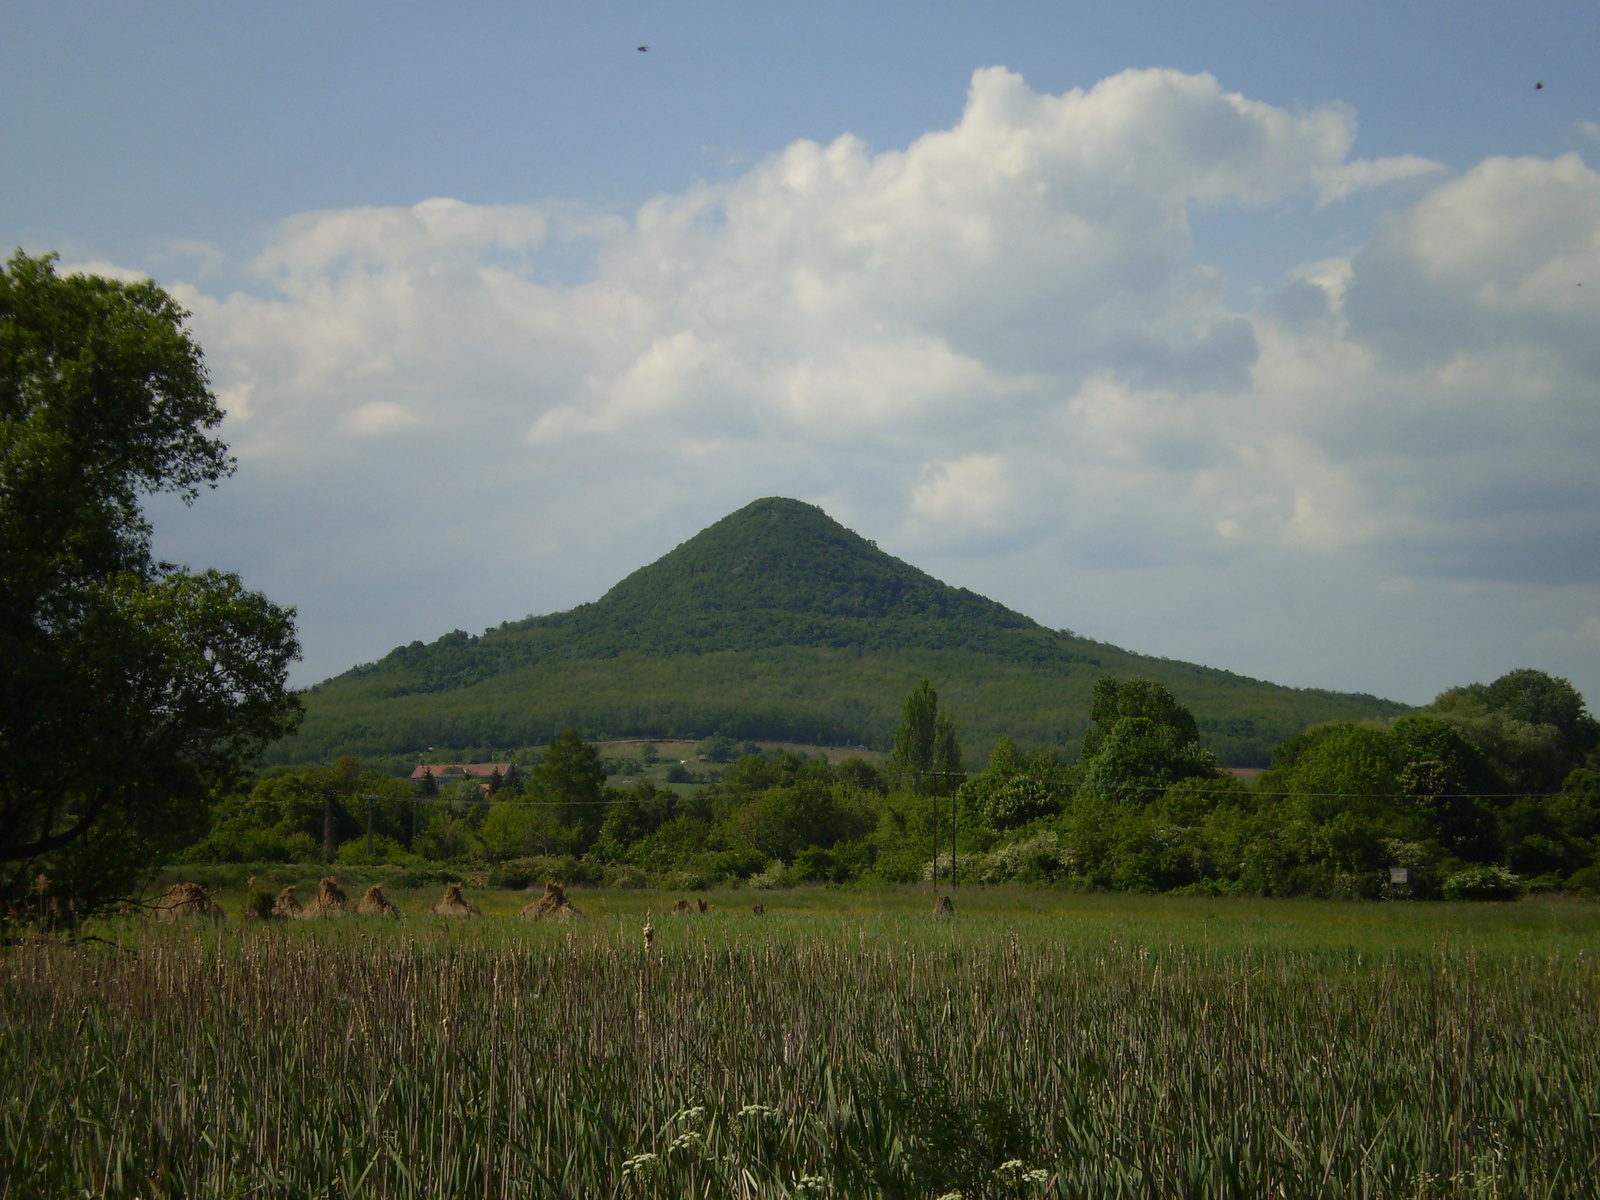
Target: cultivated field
x: 843, y: 1044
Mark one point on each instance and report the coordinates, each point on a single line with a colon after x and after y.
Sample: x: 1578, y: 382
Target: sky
x: 1257, y: 335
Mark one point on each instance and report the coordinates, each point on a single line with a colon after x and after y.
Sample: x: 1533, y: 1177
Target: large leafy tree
x: 1142, y: 741
x: 571, y: 777
x: 129, y: 689
x: 1533, y: 727
x: 927, y: 750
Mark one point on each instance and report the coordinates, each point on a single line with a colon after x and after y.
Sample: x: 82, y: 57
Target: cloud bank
x: 996, y: 351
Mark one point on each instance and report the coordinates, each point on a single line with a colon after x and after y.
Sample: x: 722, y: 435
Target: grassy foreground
x: 843, y: 1044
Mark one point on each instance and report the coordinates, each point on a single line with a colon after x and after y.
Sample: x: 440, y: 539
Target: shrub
x: 626, y: 876
x: 1484, y: 883
x: 384, y: 850
x: 519, y: 873
x: 1585, y: 882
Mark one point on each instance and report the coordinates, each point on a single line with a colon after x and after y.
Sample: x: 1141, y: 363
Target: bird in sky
x: 642, y: 49
x: 1538, y: 87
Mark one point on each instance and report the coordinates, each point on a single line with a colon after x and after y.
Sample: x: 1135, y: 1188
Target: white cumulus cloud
x: 995, y: 349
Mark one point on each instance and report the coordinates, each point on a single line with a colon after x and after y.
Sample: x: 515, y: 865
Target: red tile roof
x: 456, y: 770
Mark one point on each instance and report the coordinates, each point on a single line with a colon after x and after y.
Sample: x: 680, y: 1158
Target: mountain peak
x: 774, y: 622
x: 781, y: 572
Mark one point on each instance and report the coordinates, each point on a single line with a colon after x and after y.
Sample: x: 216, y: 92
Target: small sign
x: 1400, y: 875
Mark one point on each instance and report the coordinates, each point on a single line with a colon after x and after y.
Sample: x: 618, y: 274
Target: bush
x: 1036, y: 860
x: 1484, y: 883
x: 777, y: 875
x: 520, y: 873
x: 415, y: 877
x: 1585, y: 882
x: 625, y: 876
x: 384, y: 850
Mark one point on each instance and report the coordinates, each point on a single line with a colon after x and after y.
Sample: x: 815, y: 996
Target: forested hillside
x: 774, y: 623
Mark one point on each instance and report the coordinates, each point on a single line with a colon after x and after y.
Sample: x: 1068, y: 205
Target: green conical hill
x: 775, y: 622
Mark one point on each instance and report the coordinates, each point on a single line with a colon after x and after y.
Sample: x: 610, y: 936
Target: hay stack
x: 759, y: 909
x: 944, y: 910
x: 682, y: 908
x: 552, y: 906
x: 286, y: 905
x: 454, y: 903
x: 376, y: 904
x: 187, y: 900
x: 330, y: 902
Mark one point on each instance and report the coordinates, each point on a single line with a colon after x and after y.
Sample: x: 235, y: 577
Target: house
x: 455, y: 772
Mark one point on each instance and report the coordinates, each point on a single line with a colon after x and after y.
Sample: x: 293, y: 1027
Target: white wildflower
x: 757, y: 1112
x: 688, y: 1142
x: 810, y: 1185
x: 640, y: 1165
x: 689, y: 1116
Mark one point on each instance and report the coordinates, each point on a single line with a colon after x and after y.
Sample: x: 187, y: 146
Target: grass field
x: 843, y: 1044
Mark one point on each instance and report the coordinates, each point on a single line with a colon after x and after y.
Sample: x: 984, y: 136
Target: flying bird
x: 642, y: 49
x: 1538, y: 87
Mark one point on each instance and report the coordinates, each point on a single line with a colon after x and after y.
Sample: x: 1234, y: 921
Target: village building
x: 442, y: 773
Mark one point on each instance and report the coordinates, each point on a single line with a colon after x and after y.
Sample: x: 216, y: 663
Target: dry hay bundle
x: 683, y: 907
x: 376, y: 904
x: 454, y: 903
x: 552, y: 906
x: 187, y: 900
x: 286, y: 905
x: 759, y: 909
x: 944, y: 910
x: 330, y: 902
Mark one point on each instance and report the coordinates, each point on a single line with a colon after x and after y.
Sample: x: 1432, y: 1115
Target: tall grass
x: 820, y: 1056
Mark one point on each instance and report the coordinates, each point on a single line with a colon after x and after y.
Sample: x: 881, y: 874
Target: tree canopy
x: 128, y: 688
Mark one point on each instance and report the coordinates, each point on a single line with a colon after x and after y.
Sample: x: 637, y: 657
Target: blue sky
x: 1276, y: 360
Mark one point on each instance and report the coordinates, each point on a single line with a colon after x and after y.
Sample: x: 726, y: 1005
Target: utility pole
x: 369, y: 828
x: 327, y: 826
x: 935, y: 841
x: 953, y: 803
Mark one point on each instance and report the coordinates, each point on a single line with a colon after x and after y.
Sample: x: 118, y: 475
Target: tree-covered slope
x: 775, y: 622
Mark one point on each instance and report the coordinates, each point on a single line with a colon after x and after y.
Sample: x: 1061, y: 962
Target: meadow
x: 844, y: 1043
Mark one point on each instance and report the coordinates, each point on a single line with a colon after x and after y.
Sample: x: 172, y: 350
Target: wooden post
x: 935, y: 799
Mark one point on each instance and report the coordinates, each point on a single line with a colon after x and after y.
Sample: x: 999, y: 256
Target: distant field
x: 1541, y: 924
x: 843, y: 1044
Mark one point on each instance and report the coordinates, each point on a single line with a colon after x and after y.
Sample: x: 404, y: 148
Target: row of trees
x: 1489, y: 782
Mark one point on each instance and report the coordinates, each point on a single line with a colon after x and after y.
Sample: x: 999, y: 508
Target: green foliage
x: 782, y: 821
x: 927, y: 753
x: 1142, y: 742
x: 129, y: 689
x: 1483, y: 883
x: 1531, y: 727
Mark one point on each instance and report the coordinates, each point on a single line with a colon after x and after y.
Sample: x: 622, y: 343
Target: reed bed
x: 821, y: 1057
